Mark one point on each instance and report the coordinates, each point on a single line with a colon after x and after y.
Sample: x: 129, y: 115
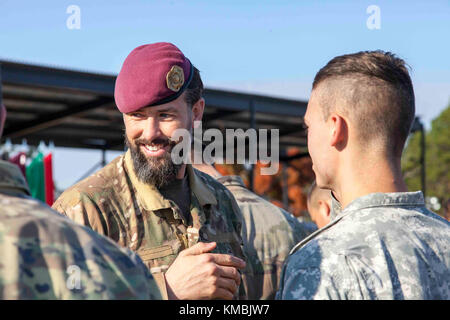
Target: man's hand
x: 197, y: 274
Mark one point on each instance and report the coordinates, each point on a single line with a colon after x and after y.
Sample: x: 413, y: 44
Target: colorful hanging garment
x: 20, y: 159
x: 48, y: 173
x: 36, y: 178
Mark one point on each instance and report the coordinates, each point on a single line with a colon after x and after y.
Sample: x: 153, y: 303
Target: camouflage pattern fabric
x: 381, y: 246
x: 335, y: 209
x: 269, y: 233
x: 308, y: 225
x: 116, y: 204
x: 45, y: 255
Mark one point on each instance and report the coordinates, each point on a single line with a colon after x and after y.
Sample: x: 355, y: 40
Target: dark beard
x: 159, y: 172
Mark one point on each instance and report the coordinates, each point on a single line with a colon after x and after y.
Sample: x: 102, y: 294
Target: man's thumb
x: 201, y: 247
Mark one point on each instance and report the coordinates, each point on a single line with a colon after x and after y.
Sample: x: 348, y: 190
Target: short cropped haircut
x: 375, y: 91
x: 315, y: 194
x: 194, y: 91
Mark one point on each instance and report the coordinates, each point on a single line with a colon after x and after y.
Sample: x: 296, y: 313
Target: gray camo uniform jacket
x: 381, y: 246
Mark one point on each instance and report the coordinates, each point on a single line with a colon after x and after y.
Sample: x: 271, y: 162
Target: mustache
x: 156, y: 141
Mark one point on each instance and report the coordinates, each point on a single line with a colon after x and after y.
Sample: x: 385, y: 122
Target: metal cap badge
x: 152, y: 74
x: 175, y: 78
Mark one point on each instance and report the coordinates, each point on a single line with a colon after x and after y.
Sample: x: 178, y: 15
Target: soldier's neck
x: 360, y: 178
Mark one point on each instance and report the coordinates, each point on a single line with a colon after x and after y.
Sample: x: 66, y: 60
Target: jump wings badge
x: 175, y: 78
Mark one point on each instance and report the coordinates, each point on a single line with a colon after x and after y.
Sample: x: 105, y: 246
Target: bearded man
x: 184, y: 225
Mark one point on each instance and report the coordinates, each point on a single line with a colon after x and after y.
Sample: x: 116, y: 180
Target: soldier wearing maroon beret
x: 184, y: 225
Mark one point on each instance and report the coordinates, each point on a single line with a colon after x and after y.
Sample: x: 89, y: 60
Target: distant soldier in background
x: 319, y: 205
x: 44, y: 255
x: 384, y: 243
x: 268, y: 232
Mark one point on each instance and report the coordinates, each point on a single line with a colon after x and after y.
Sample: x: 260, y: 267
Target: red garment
x: 20, y: 160
x: 48, y: 173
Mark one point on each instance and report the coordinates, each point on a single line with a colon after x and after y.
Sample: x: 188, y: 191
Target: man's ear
x: 324, y: 209
x: 197, y: 110
x: 338, y: 131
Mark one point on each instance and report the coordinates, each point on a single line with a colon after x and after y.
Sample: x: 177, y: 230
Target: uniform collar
x: 336, y: 207
x: 150, y: 197
x: 12, y: 179
x: 394, y: 199
x: 231, y: 181
x: 379, y: 199
x: 203, y: 192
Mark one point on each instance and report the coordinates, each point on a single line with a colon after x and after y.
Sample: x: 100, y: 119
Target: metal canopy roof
x: 77, y: 109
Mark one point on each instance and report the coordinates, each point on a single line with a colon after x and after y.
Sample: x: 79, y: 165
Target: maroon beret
x: 151, y: 75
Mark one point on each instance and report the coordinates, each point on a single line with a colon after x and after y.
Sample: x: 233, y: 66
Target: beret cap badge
x: 175, y: 78
x: 152, y: 74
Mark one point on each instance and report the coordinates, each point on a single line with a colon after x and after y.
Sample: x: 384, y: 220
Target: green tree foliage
x: 411, y: 163
x: 437, y: 160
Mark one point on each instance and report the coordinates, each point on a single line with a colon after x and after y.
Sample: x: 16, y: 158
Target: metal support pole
x: 252, y: 126
x: 98, y: 165
x: 285, y: 186
x: 103, y: 163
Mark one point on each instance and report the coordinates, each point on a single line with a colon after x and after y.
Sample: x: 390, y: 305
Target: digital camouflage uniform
x: 335, y: 208
x: 115, y: 203
x: 269, y: 233
x: 44, y: 255
x: 381, y: 246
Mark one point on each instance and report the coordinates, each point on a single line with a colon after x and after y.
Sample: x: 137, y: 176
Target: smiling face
x: 148, y: 135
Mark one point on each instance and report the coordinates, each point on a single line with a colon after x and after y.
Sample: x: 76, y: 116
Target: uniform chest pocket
x: 158, y: 259
x: 156, y: 252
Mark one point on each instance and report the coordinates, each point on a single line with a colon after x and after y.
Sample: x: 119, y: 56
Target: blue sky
x: 271, y: 47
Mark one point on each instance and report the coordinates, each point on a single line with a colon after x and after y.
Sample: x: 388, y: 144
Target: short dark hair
x: 194, y: 91
x: 378, y: 95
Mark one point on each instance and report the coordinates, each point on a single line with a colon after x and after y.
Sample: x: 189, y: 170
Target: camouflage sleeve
x: 307, y: 275
x: 234, y: 213
x: 237, y: 215
x: 300, y: 230
x: 113, y: 273
x: 148, y: 281
x: 47, y: 256
x: 269, y: 234
x: 301, y: 276
x: 80, y: 207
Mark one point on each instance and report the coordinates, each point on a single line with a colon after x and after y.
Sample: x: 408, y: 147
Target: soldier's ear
x: 338, y: 131
x: 197, y: 110
x: 324, y: 210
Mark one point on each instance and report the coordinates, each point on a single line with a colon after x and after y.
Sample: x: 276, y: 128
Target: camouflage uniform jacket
x: 335, y: 208
x: 269, y: 233
x: 115, y: 203
x: 381, y: 246
x: 44, y: 255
